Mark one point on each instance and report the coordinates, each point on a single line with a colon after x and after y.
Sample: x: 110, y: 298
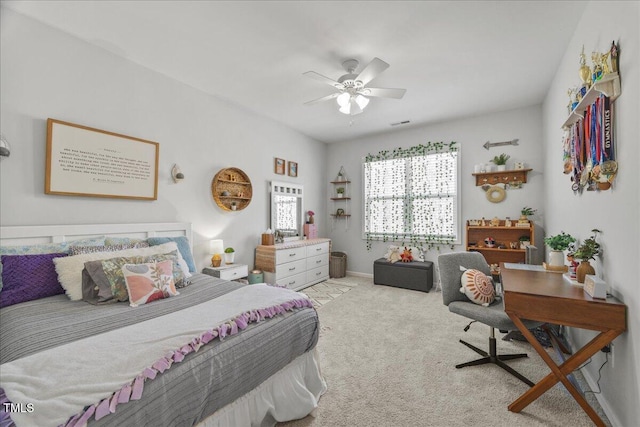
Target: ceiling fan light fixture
x: 362, y: 101
x: 352, y: 93
x: 343, y: 99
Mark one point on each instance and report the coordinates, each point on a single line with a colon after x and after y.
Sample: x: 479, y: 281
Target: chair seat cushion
x: 492, y: 315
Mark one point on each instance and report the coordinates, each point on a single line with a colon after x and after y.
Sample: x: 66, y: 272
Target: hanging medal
x: 609, y: 166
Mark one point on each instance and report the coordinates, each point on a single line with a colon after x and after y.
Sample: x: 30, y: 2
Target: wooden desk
x: 547, y: 297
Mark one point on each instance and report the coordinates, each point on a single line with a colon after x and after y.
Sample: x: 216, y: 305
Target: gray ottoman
x: 414, y: 275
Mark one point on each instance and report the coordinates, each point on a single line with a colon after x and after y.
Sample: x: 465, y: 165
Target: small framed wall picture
x: 293, y: 169
x: 279, y: 166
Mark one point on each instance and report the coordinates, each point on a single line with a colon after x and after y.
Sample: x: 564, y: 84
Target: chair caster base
x: 496, y: 359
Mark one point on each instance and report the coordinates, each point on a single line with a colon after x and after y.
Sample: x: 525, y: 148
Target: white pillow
x: 70, y: 268
x: 477, y: 286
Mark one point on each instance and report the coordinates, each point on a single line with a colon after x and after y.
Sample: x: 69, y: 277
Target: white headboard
x: 28, y: 235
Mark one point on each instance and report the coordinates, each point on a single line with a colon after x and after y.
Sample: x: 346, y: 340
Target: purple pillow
x: 29, y: 277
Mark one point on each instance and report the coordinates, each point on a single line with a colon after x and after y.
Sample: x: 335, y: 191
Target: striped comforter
x: 205, y: 381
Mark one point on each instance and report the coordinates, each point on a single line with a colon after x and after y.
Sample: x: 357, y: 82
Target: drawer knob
x: 292, y: 268
x: 293, y: 254
x: 318, y: 261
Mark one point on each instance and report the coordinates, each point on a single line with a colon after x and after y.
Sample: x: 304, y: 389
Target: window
x: 412, y: 196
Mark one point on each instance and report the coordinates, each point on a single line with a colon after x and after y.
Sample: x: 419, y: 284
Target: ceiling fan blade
x: 324, y: 79
x: 381, y: 92
x: 324, y: 98
x: 375, y: 67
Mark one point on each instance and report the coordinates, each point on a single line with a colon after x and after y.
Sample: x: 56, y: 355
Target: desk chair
x: 493, y: 315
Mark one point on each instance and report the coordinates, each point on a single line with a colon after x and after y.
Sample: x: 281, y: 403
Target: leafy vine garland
x: 430, y: 186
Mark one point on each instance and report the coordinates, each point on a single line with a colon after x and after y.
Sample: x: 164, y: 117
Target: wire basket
x: 338, y: 265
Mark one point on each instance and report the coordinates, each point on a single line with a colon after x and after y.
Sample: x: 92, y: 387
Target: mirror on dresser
x: 287, y: 217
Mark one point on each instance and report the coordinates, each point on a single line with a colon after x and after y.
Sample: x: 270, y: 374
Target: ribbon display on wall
x: 589, y: 149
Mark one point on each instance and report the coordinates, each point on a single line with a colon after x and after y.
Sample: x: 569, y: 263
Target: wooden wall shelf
x: 235, y: 182
x: 503, y: 177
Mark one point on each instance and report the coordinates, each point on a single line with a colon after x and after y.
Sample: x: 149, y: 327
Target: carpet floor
x: 389, y: 355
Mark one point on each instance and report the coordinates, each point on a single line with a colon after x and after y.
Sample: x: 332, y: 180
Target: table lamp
x: 216, y: 247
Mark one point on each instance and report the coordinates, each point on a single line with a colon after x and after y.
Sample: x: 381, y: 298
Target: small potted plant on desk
x: 586, y: 251
x: 501, y: 161
x: 229, y: 254
x: 558, y: 244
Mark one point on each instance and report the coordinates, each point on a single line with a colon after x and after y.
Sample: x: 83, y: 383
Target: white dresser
x: 296, y: 264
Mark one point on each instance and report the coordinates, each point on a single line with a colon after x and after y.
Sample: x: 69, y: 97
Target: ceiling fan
x: 353, y: 93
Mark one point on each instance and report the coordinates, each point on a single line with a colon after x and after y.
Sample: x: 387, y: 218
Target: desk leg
x: 559, y: 373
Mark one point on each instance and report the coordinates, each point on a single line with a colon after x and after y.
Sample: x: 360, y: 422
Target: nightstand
x: 228, y: 272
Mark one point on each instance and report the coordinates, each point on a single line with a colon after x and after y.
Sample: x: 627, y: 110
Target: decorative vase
x: 583, y: 269
x: 556, y: 258
x: 311, y: 220
x: 228, y: 257
x: 216, y: 260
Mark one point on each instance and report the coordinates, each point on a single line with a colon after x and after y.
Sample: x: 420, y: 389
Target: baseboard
x: 604, y: 403
x: 358, y: 274
x: 593, y: 385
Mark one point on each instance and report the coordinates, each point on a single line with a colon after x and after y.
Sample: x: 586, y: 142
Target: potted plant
x: 234, y: 205
x: 558, y: 244
x: 340, y: 191
x: 229, y: 254
x: 501, y: 161
x: 586, y: 251
x: 525, y: 213
x: 524, y: 241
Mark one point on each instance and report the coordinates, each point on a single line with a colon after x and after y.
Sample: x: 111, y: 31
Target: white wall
x: 46, y: 73
x: 615, y: 212
x: 471, y: 134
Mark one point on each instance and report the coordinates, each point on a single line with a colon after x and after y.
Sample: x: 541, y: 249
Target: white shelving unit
x: 609, y: 85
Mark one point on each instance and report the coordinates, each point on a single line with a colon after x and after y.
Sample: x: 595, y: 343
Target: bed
x: 219, y: 353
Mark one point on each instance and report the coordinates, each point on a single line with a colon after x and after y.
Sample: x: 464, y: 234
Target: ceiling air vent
x: 404, y: 122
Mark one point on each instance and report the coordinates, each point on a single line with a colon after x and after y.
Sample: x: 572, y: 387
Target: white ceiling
x: 455, y: 58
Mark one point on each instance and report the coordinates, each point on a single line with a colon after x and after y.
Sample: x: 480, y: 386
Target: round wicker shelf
x: 229, y: 186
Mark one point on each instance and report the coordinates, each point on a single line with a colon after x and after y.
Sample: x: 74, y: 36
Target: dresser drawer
x: 288, y: 255
x: 320, y: 248
x: 291, y: 268
x: 317, y: 274
x: 317, y: 261
x: 294, y: 282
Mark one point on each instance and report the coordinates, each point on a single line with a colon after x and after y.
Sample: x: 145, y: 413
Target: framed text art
x: 293, y: 169
x: 82, y: 161
x: 279, y: 166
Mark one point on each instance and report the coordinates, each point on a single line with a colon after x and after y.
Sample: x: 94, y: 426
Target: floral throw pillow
x: 113, y: 271
x: 478, y: 287
x: 149, y: 282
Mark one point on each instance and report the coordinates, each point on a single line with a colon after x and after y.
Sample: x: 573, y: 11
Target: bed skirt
x: 292, y: 393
